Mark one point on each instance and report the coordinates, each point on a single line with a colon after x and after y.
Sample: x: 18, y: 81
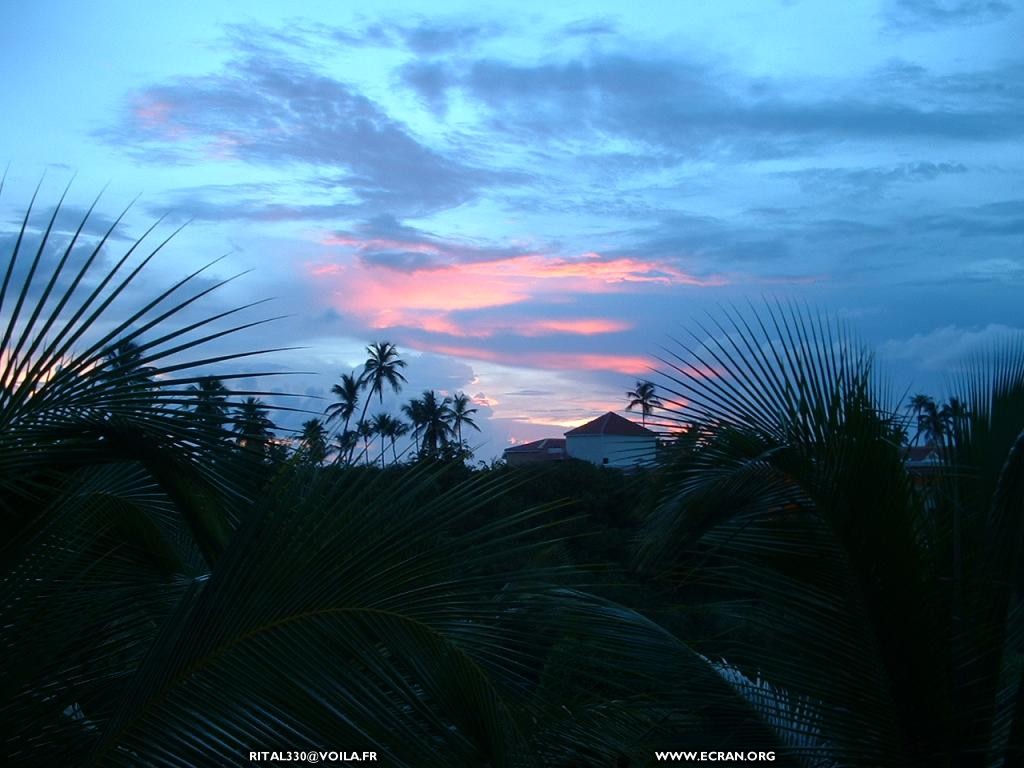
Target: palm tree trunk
x: 362, y: 416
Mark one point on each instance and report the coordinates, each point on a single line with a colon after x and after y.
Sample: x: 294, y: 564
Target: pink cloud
x: 551, y: 361
x: 429, y: 297
x: 582, y: 327
x: 365, y: 289
x: 156, y: 116
x: 444, y: 323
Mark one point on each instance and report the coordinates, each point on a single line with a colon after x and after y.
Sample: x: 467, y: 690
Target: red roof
x: 917, y: 454
x: 611, y: 424
x: 544, y: 445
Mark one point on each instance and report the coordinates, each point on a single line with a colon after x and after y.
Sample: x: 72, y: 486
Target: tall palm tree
x: 211, y: 403
x: 345, y: 443
x: 347, y: 392
x: 645, y: 395
x: 382, y: 367
x: 380, y: 425
x: 414, y: 412
x: 365, y: 431
x: 884, y: 626
x: 461, y: 414
x: 396, y: 429
x: 313, y: 441
x: 436, y: 418
x: 253, y: 427
x: 956, y: 415
x: 919, y: 406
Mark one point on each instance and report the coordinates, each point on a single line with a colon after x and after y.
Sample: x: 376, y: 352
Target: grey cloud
x: 430, y: 80
x: 942, y: 349
x: 276, y: 112
x: 869, y: 182
x: 1000, y: 219
x: 432, y: 38
x: 67, y: 222
x: 704, y: 245
x: 694, y: 109
x: 910, y: 15
x: 402, y: 261
x: 590, y: 28
x: 421, y: 36
x: 384, y: 241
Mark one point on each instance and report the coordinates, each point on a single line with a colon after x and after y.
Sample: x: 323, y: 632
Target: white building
x: 612, y: 441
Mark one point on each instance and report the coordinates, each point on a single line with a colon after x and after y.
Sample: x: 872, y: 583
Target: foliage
x: 895, y: 623
x: 313, y: 442
x: 161, y: 608
x: 174, y: 592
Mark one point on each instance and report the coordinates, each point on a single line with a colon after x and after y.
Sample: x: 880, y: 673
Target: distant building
x: 923, y: 463
x: 612, y: 441
x: 548, y: 449
x: 607, y: 441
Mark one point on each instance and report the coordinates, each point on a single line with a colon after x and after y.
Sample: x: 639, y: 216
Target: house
x: 918, y: 457
x: 923, y: 463
x: 613, y: 441
x: 548, y: 449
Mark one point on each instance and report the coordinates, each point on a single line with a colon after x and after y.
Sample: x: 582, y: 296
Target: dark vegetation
x: 182, y: 583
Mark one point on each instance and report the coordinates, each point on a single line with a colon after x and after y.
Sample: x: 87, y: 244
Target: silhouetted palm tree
x: 313, y: 441
x: 436, y: 416
x: 382, y: 367
x: 211, y: 403
x: 347, y: 392
x: 462, y: 414
x: 919, y: 405
x: 380, y: 425
x: 365, y: 431
x: 956, y: 415
x: 396, y: 430
x: 645, y: 396
x: 253, y: 427
x: 345, y: 443
x: 414, y: 411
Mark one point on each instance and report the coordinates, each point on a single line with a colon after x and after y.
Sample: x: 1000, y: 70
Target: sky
x: 533, y: 200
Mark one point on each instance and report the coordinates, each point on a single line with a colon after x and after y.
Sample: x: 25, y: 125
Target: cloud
x: 549, y: 361
x: 943, y: 349
x: 385, y: 297
x: 434, y: 36
x: 914, y: 15
x: 997, y: 219
x: 594, y: 27
x: 695, y: 109
x: 386, y: 242
x: 276, y: 112
x: 402, y: 278
x: 870, y: 182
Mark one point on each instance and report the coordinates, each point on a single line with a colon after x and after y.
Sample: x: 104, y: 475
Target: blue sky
x: 530, y: 199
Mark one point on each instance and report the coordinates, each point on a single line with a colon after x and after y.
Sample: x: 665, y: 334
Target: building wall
x: 619, y: 451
